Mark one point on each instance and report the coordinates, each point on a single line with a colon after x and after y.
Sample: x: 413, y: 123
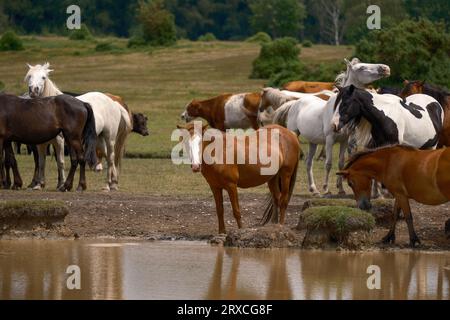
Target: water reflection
x: 37, y: 270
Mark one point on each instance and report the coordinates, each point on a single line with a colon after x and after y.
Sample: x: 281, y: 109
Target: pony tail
x: 90, y: 138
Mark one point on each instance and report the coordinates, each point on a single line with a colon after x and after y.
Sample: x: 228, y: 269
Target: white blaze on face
x: 195, y: 151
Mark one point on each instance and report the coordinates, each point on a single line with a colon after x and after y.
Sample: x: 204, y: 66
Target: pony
x: 381, y: 120
x: 35, y: 121
x: 407, y: 173
x: 39, y: 85
x: 441, y: 95
x: 308, y: 87
x: 275, y: 98
x: 227, y: 111
x: 310, y: 118
x: 237, y: 174
x: 113, y: 123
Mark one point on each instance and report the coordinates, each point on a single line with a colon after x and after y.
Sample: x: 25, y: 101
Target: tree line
x: 320, y: 21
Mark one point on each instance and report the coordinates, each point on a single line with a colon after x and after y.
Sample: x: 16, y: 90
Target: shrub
x: 10, y: 42
x: 260, y: 37
x: 413, y: 49
x: 136, y: 42
x: 105, y: 46
x: 307, y: 44
x: 81, y: 34
x: 275, y: 57
x: 207, y: 37
x: 158, y: 24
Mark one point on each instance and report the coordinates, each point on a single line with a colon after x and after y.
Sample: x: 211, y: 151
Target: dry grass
x: 157, y: 82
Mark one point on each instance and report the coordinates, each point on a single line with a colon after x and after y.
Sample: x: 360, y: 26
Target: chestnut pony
x: 233, y: 174
x: 442, y: 96
x: 308, y: 87
x: 407, y: 173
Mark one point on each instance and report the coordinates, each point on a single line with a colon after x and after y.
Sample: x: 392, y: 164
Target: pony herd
x: 92, y: 126
x: 391, y: 130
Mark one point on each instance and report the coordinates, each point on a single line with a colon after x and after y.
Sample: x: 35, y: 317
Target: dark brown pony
x: 308, y: 87
x: 442, y: 96
x: 231, y: 176
x: 36, y: 121
x: 407, y: 173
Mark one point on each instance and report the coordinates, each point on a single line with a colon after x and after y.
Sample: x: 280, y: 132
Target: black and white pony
x: 380, y: 120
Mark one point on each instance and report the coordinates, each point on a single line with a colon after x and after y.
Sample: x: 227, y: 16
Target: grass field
x: 157, y: 82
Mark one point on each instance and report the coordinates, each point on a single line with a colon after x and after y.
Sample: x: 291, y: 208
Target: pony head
x: 36, y: 79
x: 191, y: 112
x: 193, y: 144
x: 140, y: 124
x: 361, y: 184
x: 362, y: 74
x: 411, y: 88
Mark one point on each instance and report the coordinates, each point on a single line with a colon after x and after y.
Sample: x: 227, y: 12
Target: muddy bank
x: 148, y: 217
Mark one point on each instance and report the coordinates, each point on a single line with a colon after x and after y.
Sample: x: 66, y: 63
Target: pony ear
x: 29, y: 66
x: 406, y: 82
x: 180, y: 127
x: 355, y: 61
x: 348, y: 63
x: 205, y: 127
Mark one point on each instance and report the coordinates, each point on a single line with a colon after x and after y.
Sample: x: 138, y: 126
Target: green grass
x: 156, y: 81
x: 339, y: 221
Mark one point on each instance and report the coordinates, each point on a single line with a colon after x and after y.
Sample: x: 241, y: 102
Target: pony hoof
x: 114, y: 187
x: 37, y: 188
x: 99, y: 168
x: 17, y: 187
x: 389, y: 239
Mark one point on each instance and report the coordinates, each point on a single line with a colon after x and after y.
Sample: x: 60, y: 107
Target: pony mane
x: 363, y: 153
x: 440, y: 94
x: 50, y: 89
x: 341, y: 78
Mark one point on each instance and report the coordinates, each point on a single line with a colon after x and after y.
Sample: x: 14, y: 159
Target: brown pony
x: 236, y: 173
x: 308, y: 87
x: 227, y: 111
x: 442, y: 96
x: 407, y: 173
x: 36, y: 121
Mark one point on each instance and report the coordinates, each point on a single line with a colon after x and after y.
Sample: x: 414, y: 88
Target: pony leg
x: 233, y: 194
x: 2, y: 171
x: 34, y: 151
x: 7, y: 181
x: 284, y: 199
x: 59, y: 154
x: 309, y: 169
x: 390, y: 237
x: 112, y: 170
x: 274, y: 187
x: 328, y: 162
x: 42, y: 154
x: 68, y: 185
x: 101, y: 152
x: 13, y: 163
x: 342, y: 150
x: 406, y: 208
x: 218, y: 198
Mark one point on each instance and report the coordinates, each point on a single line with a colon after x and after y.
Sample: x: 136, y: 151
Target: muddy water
x: 182, y: 270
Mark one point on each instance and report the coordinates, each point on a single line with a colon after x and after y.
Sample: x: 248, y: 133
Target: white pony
x: 112, y: 122
x: 310, y: 117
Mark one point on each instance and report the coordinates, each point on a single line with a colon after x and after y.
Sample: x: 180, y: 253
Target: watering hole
x: 34, y: 269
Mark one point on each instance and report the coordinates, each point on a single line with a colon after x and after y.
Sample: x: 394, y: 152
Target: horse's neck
x: 50, y: 89
x: 350, y: 79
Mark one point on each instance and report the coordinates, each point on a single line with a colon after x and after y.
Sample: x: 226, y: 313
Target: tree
x: 331, y: 19
x: 415, y: 50
x: 158, y: 24
x: 279, y: 18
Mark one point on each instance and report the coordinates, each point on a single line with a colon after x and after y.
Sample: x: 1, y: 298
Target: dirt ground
x: 145, y: 217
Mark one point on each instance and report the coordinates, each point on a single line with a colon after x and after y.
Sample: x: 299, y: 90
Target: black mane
x: 441, y: 95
